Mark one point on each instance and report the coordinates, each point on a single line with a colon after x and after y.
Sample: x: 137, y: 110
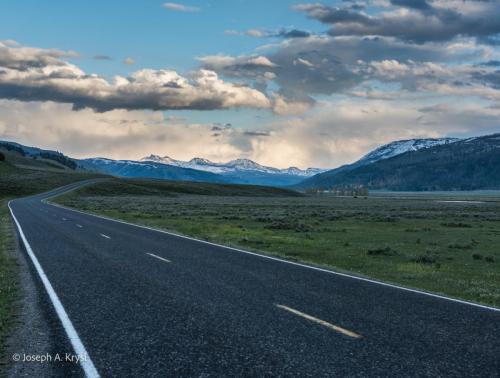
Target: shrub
x: 288, y: 224
x: 457, y: 224
x: 387, y: 251
x: 2, y: 157
x: 424, y: 259
x: 460, y: 246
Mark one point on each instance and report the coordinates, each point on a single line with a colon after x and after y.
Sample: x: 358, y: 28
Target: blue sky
x: 154, y: 36
x: 292, y: 83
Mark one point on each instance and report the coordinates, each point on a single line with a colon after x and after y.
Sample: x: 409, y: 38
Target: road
x: 146, y: 303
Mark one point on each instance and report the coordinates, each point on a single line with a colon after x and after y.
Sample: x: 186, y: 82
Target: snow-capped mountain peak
x: 401, y: 146
x: 247, y: 164
x: 159, y: 159
x: 200, y: 161
x: 294, y: 171
x: 152, y: 157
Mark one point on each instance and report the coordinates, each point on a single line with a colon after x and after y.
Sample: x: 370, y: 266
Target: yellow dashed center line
x: 321, y: 322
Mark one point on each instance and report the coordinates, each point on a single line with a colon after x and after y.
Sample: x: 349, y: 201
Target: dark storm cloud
x: 257, y: 133
x: 294, y: 33
x: 490, y: 79
x: 281, y: 33
x: 332, y: 15
x: 334, y: 65
x: 491, y: 63
x: 415, y: 4
x: 303, y: 68
x: 422, y: 23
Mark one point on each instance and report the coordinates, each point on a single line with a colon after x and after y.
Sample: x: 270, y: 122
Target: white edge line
x: 284, y: 261
x: 158, y: 257
x: 86, y: 363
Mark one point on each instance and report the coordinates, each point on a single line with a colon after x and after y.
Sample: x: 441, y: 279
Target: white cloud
x: 243, y: 62
x: 129, y: 61
x: 285, y: 106
x: 180, y: 7
x: 231, y: 32
x: 255, y: 33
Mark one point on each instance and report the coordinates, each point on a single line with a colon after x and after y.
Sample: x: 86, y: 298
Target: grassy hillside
x: 418, y: 241
x: 148, y: 187
x: 22, y: 176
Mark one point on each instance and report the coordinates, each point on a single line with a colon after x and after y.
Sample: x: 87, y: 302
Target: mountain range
x: 240, y: 171
x: 231, y: 166
x: 414, y: 165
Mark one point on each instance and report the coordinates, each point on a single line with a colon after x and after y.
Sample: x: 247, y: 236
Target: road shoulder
x: 37, y: 331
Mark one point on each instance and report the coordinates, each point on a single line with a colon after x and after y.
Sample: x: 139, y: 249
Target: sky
x: 284, y: 83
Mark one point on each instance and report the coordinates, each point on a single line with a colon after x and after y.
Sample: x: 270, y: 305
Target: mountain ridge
x: 464, y: 164
x: 236, y: 164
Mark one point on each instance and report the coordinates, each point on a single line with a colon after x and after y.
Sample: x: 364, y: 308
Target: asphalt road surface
x: 144, y: 303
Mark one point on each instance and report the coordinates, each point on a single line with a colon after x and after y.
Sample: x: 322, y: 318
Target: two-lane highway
x: 146, y: 303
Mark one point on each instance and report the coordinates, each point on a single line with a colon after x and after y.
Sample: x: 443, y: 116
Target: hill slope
x: 32, y: 156
x: 22, y: 174
x: 467, y: 164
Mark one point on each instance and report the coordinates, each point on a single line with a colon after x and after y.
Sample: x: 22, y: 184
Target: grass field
x: 420, y: 241
x: 21, y: 176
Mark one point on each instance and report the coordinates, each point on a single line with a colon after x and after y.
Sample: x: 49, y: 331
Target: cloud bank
x: 30, y: 74
x: 328, y: 136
